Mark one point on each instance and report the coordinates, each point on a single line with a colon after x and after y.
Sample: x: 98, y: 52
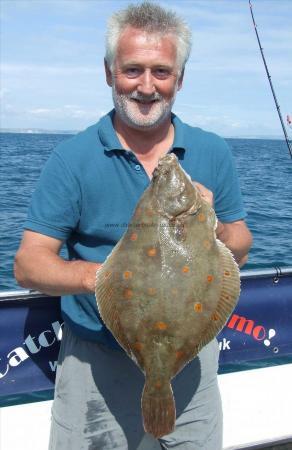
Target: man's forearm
x: 237, y: 238
x: 40, y: 269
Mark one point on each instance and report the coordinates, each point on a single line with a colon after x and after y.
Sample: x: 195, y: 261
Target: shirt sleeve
x: 228, y: 200
x: 55, y: 204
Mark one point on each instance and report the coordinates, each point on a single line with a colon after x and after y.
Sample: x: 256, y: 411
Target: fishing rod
x: 271, y: 84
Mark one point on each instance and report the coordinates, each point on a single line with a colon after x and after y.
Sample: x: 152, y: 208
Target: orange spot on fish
x: 227, y: 273
x: 160, y: 325
x: 179, y: 354
x: 149, y: 212
x: 128, y: 293
x: 198, y: 307
x: 207, y: 244
x: 185, y: 269
x: 210, y: 278
x: 151, y: 291
x: 151, y: 252
x: 134, y: 237
x: 127, y: 274
x: 215, y: 316
x: 138, y: 346
x: 201, y: 217
x: 138, y: 211
x: 158, y: 384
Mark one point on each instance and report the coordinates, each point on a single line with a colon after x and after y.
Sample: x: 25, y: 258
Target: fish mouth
x: 168, y: 179
x: 174, y: 191
x: 170, y: 158
x: 165, y: 164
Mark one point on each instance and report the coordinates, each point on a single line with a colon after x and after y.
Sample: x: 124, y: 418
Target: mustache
x: 144, y: 98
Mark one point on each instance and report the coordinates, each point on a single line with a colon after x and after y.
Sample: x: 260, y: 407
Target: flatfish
x: 168, y: 286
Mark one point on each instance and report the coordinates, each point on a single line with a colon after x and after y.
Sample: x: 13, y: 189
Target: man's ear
x: 180, y: 80
x: 108, y: 74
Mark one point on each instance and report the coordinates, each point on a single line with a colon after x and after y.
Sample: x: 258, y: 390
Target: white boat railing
x: 274, y: 272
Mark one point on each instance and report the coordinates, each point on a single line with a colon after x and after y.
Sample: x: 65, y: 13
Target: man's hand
x: 235, y: 235
x: 206, y: 194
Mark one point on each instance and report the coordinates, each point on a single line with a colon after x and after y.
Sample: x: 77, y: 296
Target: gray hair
x: 151, y: 18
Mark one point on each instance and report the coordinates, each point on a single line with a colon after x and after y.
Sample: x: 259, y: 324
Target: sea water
x: 264, y: 168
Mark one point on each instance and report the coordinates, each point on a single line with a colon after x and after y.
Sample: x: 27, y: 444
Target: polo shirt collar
x: 179, y: 142
x: 107, y: 134
x: 110, y: 141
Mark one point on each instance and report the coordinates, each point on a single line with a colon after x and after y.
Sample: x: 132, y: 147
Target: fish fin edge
x: 229, y: 295
x: 108, y: 312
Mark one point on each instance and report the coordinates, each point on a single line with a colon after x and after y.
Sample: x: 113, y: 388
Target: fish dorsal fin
x: 230, y: 291
x: 107, y: 308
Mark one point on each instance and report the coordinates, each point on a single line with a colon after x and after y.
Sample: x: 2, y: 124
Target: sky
x: 52, y: 74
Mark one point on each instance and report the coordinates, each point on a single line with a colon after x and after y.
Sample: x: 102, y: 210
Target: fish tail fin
x: 158, y: 408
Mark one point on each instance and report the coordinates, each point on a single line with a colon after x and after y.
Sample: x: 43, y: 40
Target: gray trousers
x: 98, y: 394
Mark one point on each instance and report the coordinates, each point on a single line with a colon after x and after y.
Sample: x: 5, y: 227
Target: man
x: 87, y: 191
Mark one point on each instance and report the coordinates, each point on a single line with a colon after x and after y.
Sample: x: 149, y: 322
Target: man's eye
x: 162, y: 73
x: 132, y: 72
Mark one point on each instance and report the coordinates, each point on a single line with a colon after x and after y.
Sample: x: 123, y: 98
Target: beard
x: 141, y: 111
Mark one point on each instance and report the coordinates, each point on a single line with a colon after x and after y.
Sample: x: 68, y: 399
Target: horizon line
x: 55, y: 131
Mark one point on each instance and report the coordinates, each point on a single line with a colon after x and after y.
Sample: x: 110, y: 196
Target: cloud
x: 65, y: 117
x: 67, y: 111
x: 55, y: 70
x: 3, y: 93
x: 52, y: 62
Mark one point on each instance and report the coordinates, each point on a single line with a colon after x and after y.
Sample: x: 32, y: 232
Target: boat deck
x: 256, y: 405
x: 282, y: 445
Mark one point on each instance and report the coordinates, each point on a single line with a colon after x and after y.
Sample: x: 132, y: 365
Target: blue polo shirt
x: 90, y: 186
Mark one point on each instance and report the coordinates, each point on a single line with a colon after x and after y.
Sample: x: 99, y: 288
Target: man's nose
x: 146, y: 83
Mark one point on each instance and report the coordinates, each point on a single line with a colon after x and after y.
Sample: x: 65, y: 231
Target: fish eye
x: 195, y: 212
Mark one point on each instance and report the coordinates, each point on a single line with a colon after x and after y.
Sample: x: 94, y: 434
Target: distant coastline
x: 36, y: 131
x: 44, y: 131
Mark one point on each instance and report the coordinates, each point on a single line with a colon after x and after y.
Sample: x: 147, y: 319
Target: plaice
x: 168, y: 286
